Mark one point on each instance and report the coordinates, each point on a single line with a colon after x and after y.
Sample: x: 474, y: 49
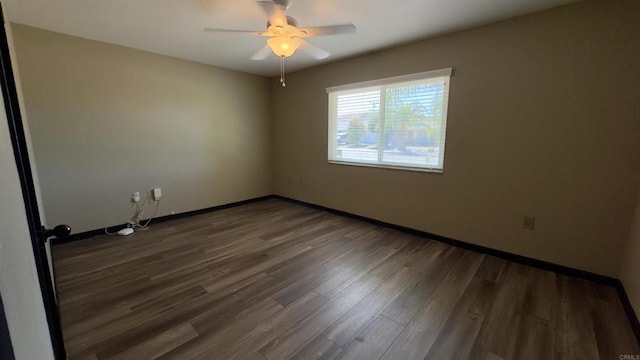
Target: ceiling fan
x: 284, y: 35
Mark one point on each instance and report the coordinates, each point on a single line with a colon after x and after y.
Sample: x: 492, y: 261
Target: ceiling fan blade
x: 316, y: 52
x: 326, y: 30
x: 248, y: 32
x: 262, y: 53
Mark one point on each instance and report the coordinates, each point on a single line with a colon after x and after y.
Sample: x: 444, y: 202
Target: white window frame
x: 380, y: 84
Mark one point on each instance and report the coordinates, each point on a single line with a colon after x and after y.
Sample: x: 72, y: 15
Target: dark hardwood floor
x: 274, y: 280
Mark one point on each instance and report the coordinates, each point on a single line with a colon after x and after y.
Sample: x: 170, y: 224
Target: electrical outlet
x: 135, y: 197
x: 528, y: 222
x: 156, y: 194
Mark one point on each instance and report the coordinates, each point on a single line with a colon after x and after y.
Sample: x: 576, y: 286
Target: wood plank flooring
x: 275, y: 280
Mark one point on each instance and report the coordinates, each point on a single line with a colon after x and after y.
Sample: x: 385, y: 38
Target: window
x: 397, y: 122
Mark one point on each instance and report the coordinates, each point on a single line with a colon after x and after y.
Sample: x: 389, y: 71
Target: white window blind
x: 396, y: 122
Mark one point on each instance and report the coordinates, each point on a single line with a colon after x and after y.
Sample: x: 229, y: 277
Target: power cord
x: 106, y: 229
x: 137, y: 226
x: 134, y: 221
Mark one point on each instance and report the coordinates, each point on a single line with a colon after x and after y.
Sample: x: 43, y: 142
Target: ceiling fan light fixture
x: 283, y: 46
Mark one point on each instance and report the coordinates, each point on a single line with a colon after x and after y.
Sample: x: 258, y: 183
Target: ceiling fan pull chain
x: 282, y: 72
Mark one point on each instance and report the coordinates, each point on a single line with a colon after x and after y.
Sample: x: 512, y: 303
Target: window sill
x: 392, y: 167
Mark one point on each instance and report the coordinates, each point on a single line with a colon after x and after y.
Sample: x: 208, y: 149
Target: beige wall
x: 107, y: 121
x: 630, y: 269
x: 544, y: 120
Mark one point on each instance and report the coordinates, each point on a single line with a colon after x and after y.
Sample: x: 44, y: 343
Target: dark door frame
x: 6, y: 349
x: 21, y: 154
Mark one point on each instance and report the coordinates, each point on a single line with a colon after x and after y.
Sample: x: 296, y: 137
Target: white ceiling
x: 174, y: 27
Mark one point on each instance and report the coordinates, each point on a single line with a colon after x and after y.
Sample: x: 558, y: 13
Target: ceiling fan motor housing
x: 290, y: 20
